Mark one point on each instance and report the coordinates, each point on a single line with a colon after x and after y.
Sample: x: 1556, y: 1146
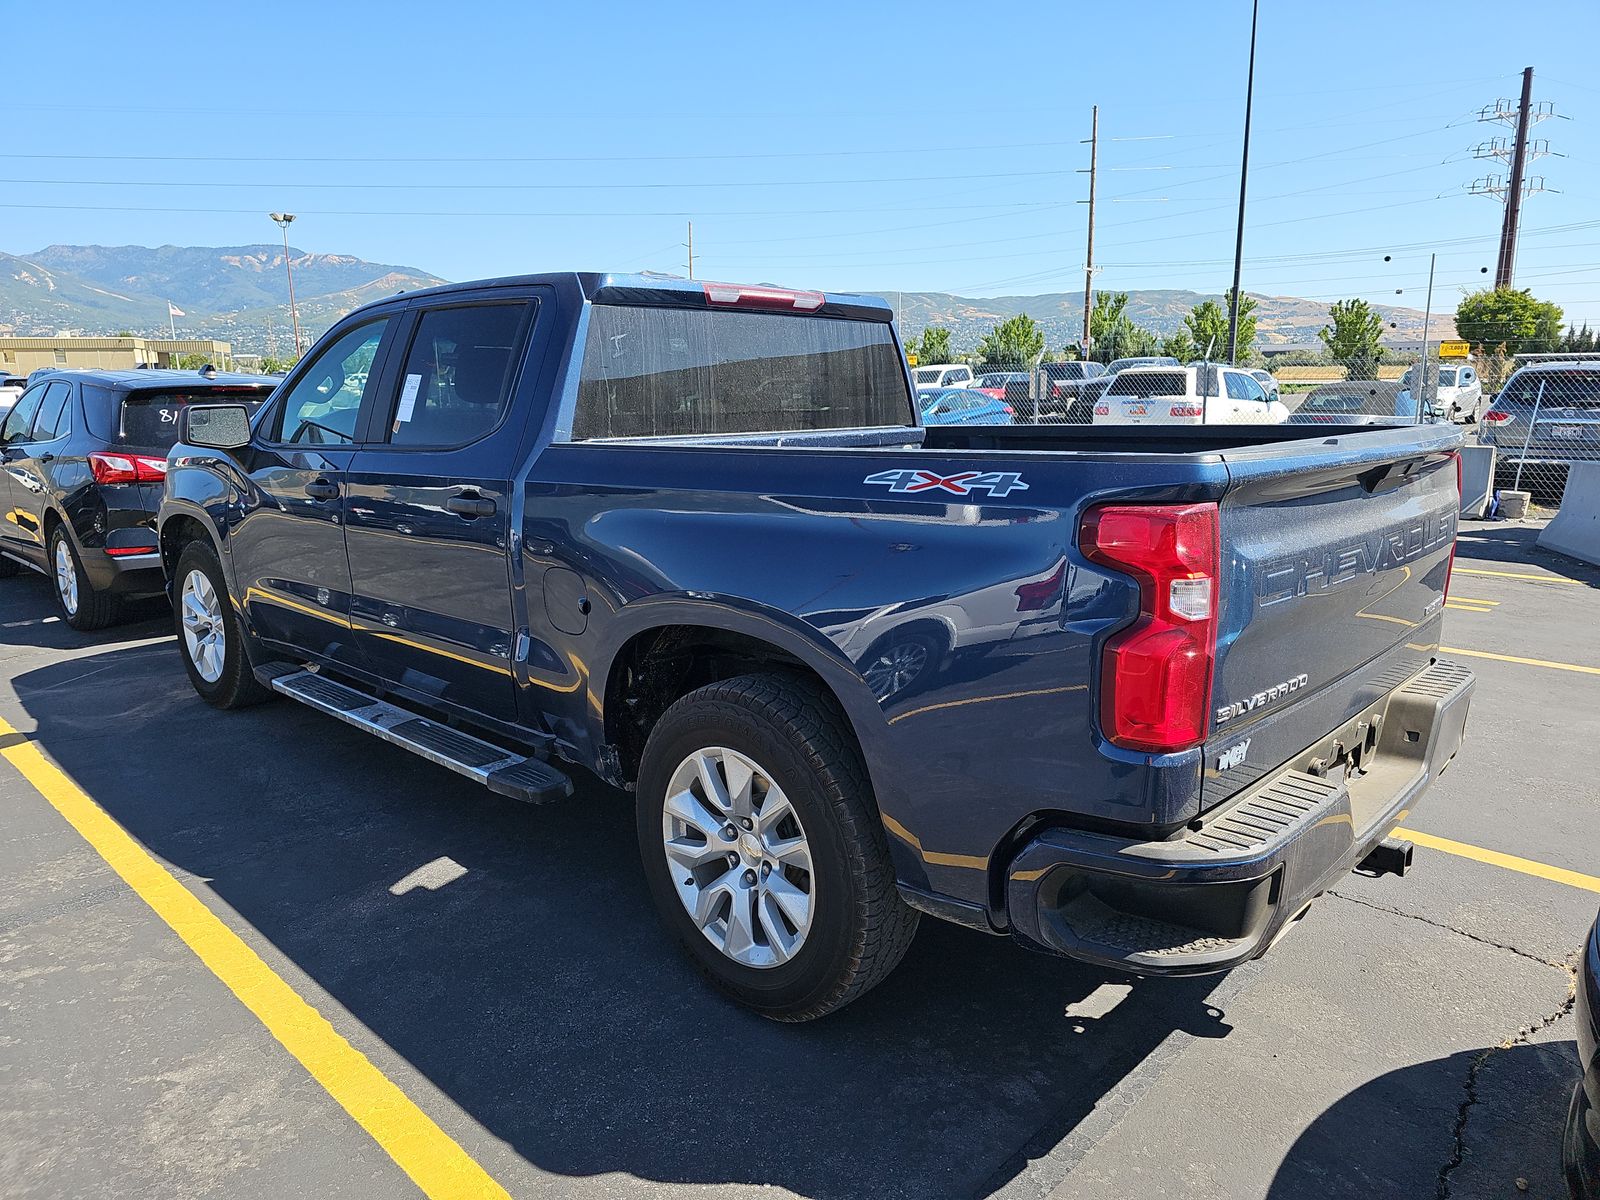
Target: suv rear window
x: 1562, y: 389
x: 149, y: 419
x: 1145, y: 384
x: 658, y: 372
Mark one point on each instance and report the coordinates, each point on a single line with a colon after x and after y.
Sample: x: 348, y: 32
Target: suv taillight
x: 127, y: 468
x: 1155, y: 676
x: 1494, y: 418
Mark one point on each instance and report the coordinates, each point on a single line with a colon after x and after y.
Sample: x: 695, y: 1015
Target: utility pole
x: 1088, y: 260
x: 1517, y: 155
x: 1505, y: 266
x: 1244, y: 176
x: 691, y: 249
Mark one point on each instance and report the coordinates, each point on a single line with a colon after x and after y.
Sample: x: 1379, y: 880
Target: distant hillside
x: 235, y: 293
x: 239, y: 294
x: 1279, y: 319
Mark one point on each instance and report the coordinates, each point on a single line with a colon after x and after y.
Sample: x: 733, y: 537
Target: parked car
x: 1055, y: 389
x: 1581, y: 1146
x: 1081, y: 410
x: 1205, y: 394
x: 1267, y: 380
x: 1453, y: 387
x: 620, y: 523
x: 963, y: 406
x: 1359, y: 402
x: 1008, y: 386
x: 941, y: 375
x: 84, y: 455
x: 1546, y: 416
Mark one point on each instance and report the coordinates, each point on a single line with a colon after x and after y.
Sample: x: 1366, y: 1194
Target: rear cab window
x: 663, y: 372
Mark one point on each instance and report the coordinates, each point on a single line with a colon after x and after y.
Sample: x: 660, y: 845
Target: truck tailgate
x: 1335, y: 556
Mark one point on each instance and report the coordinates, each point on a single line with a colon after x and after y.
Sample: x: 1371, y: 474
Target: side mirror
x: 215, y: 426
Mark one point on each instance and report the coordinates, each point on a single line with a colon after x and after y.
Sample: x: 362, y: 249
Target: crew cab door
x: 428, y: 512
x: 287, y: 549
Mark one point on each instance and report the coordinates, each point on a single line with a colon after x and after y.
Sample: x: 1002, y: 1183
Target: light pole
x: 283, y: 221
x: 1244, y: 177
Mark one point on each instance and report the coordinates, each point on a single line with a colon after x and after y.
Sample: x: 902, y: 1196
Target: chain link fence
x: 1545, y: 419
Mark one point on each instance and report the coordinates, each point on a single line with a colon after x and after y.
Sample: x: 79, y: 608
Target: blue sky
x: 888, y: 147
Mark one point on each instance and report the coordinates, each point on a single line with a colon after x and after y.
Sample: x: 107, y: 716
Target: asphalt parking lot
x: 501, y: 970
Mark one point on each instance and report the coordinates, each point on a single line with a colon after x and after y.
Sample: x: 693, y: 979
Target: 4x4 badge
x: 996, y: 483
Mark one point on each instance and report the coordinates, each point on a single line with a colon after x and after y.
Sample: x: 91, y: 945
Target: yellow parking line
x: 1589, y: 883
x: 1460, y: 570
x: 1470, y: 600
x: 1527, y: 662
x: 433, y: 1160
x: 1467, y: 608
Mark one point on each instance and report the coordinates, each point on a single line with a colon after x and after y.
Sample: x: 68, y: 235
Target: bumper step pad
x: 500, y: 770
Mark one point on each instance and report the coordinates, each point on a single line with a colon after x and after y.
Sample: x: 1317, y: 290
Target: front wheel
x: 763, y: 852
x: 211, y: 636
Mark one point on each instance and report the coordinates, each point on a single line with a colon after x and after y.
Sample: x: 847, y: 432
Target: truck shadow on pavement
x: 510, y: 955
x: 1507, y: 1127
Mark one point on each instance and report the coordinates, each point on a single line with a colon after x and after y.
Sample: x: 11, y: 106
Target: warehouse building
x: 22, y: 355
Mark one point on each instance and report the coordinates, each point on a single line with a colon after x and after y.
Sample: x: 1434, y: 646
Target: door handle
x: 471, y: 505
x: 322, y: 489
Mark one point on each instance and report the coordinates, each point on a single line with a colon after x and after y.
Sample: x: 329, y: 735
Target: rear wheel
x: 82, y: 606
x: 762, y: 849
x: 211, y: 636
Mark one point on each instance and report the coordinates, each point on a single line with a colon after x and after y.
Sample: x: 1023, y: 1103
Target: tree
x: 1208, y: 329
x: 1014, y: 343
x: 1179, y: 346
x: 1509, y: 319
x: 934, y: 346
x: 1353, y: 338
x: 1112, y: 332
x: 1578, y: 341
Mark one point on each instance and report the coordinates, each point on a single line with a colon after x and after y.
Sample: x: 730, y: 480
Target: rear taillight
x: 1494, y: 418
x: 1450, y: 566
x: 739, y: 296
x: 1155, y: 676
x: 127, y: 468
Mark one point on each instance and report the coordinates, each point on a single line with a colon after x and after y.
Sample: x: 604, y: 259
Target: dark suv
x: 85, y: 455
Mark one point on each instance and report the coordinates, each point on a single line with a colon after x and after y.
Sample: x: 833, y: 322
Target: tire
x: 856, y: 929
x: 82, y: 606
x: 223, y: 679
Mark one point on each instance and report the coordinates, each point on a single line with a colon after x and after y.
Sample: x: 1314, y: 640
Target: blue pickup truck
x: 1131, y: 696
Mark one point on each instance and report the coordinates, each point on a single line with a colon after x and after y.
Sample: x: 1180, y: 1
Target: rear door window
x: 656, y: 372
x: 54, y: 419
x: 456, y: 382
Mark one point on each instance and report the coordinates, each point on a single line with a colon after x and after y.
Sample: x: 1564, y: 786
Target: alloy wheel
x: 66, y: 577
x: 203, y: 635
x: 739, y: 857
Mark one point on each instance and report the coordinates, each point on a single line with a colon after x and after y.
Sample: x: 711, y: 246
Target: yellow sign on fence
x: 1455, y: 350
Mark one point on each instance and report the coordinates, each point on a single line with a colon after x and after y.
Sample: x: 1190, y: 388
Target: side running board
x: 498, y: 769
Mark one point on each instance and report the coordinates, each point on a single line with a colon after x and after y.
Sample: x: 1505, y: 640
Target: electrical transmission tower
x: 1516, y: 153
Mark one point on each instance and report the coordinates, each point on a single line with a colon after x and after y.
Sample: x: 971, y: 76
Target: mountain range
x: 239, y: 294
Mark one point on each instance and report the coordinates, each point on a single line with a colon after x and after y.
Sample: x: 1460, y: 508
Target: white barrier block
x: 1477, y: 481
x: 1576, y: 529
